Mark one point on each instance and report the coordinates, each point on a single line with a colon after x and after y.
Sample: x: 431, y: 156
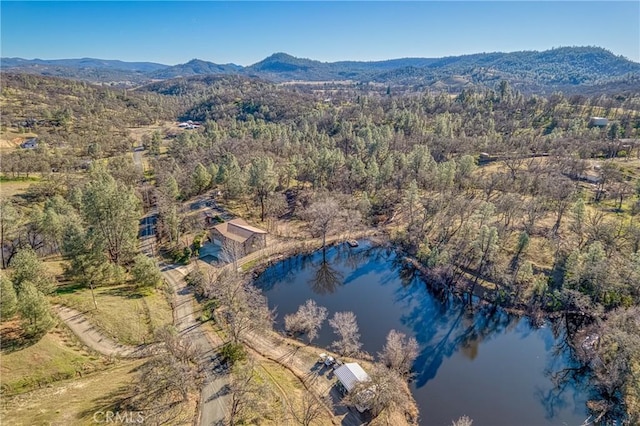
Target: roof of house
x: 238, y: 230
x: 350, y: 374
x: 32, y: 142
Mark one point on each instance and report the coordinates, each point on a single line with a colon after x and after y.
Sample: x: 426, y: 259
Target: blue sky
x: 247, y: 32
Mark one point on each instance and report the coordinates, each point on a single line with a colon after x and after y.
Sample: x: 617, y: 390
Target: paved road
x: 95, y: 339
x: 147, y: 227
x: 147, y: 232
x: 214, y: 399
x: 137, y: 158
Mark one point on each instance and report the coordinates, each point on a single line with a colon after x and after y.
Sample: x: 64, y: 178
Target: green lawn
x: 125, y: 313
x: 56, y: 356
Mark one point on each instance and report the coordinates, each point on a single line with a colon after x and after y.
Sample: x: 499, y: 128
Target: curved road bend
x: 95, y: 339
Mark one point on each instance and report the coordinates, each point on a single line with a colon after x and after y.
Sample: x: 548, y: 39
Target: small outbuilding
x: 349, y: 375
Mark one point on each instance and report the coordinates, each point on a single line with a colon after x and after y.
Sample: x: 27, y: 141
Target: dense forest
x: 516, y: 198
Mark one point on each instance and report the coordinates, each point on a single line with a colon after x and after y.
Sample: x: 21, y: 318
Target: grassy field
x: 124, y: 313
x: 72, y: 401
x: 56, y: 356
x: 137, y: 132
x: 286, y: 391
x: 54, y: 264
x: 12, y: 187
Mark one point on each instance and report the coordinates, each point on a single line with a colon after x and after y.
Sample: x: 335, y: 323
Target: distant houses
x: 29, y: 144
x: 239, y: 236
x: 189, y: 125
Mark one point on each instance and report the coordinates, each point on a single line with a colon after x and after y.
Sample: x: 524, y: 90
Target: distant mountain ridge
x: 84, y: 63
x: 531, y: 70
x: 195, y: 67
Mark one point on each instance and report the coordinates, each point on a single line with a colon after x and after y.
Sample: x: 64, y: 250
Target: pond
x: 494, y: 367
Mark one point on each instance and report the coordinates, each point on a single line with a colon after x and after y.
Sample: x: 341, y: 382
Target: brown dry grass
x: 13, y: 188
x: 72, y: 401
x: 136, y: 133
x: 56, y: 356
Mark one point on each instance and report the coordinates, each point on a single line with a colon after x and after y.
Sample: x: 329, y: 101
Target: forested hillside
x: 517, y: 199
x: 72, y: 117
x: 531, y: 71
x: 516, y: 195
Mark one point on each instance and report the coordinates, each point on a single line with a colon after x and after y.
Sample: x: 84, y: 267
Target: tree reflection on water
x: 326, y: 278
x: 453, y: 330
x: 449, y: 331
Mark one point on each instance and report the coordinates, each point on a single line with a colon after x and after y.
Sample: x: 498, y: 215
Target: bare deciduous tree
x: 310, y: 410
x: 232, y: 252
x: 399, y: 352
x: 323, y: 215
x: 384, y: 390
x: 462, y: 421
x: 559, y: 193
x: 514, y: 162
x: 182, y: 349
x: 307, y: 320
x: 534, y: 210
x: 167, y: 378
x: 242, y: 307
x: 262, y: 178
x: 610, y: 347
x: 246, y: 394
x: 344, y: 325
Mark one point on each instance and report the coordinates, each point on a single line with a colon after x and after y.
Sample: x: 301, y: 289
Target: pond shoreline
x: 273, y: 350
x: 380, y: 240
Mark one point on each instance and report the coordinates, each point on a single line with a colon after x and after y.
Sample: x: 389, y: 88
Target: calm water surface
x: 494, y: 367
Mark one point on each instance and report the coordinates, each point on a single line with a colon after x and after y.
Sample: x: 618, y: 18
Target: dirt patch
x: 11, y: 139
x: 136, y: 133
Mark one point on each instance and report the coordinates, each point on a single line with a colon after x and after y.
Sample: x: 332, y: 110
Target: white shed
x: 350, y: 374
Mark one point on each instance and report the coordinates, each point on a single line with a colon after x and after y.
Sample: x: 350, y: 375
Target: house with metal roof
x: 349, y: 375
